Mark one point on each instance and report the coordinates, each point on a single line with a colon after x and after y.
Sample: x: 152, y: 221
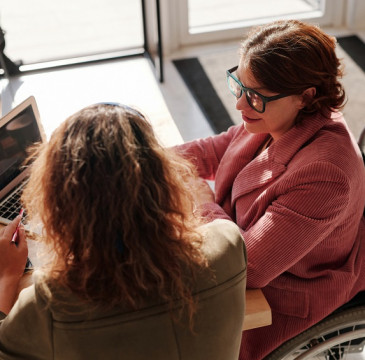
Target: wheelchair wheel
x: 339, y: 336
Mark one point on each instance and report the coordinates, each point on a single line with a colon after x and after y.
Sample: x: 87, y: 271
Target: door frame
x: 176, y: 35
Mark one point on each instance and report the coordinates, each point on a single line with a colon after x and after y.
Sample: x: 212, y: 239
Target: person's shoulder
x: 332, y: 145
x: 222, y: 230
x: 27, y: 305
x: 224, y: 247
x: 34, y: 295
x: 58, y: 300
x: 28, y: 323
x: 27, y: 296
x: 336, y: 130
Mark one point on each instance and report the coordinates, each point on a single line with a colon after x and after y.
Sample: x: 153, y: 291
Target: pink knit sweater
x: 299, y: 205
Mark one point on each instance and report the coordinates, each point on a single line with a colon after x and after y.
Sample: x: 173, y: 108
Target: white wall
x: 355, y: 16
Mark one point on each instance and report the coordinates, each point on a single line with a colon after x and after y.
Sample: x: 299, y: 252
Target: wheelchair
x: 341, y: 335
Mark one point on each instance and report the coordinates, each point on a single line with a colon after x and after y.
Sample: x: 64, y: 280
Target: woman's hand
x: 13, y: 257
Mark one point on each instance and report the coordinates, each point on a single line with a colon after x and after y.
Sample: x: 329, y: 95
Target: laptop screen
x: 17, y: 133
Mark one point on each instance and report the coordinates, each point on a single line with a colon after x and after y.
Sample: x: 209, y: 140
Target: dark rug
x: 355, y: 48
x: 203, y: 91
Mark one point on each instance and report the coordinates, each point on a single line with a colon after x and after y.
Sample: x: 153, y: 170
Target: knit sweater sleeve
x: 309, y: 206
x: 207, y: 153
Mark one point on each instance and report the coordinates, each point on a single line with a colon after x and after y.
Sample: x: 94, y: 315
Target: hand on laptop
x: 13, y: 256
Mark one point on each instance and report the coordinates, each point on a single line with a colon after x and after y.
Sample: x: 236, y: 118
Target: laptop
x: 19, y: 129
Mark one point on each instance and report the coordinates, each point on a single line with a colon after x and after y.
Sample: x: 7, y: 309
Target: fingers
x: 21, y: 242
x: 13, y: 256
x: 21, y: 235
x: 10, y: 229
x: 14, y: 233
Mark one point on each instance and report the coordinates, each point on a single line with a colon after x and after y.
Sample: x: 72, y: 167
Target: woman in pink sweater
x: 292, y: 177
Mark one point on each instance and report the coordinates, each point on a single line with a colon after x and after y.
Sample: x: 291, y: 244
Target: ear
x: 307, y: 96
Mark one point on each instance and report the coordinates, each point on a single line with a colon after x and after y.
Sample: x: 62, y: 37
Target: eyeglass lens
x: 254, y: 100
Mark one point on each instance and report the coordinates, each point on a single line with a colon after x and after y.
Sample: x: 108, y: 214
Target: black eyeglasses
x: 254, y: 99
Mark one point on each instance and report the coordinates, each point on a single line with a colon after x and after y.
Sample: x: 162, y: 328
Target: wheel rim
x: 337, y: 348
x: 334, y: 344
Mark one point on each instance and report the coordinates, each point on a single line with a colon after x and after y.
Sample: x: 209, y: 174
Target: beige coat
x: 34, y: 331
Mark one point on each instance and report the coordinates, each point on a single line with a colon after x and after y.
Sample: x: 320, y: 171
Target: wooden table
x: 258, y: 312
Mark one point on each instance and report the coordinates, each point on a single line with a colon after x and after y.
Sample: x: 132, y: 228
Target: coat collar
x: 273, y: 161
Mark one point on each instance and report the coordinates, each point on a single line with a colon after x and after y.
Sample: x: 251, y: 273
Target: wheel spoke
x: 339, y: 336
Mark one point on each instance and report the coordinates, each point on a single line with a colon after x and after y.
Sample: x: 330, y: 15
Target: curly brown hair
x: 117, y: 209
x: 289, y: 56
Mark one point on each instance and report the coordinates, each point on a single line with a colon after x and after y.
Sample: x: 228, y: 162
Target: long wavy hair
x: 117, y: 209
x: 289, y: 56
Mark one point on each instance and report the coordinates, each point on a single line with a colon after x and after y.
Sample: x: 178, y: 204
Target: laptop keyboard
x: 10, y: 207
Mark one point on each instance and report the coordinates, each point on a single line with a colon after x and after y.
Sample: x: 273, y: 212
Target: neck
x: 266, y: 144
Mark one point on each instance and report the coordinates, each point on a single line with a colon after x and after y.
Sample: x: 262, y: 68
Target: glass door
x: 41, y: 31
x: 222, y: 14
x: 217, y: 20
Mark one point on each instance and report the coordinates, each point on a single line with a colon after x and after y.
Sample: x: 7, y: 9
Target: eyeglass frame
x: 244, y: 89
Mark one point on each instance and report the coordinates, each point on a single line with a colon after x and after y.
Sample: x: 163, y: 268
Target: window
x: 43, y: 30
x: 202, y: 21
x: 224, y: 14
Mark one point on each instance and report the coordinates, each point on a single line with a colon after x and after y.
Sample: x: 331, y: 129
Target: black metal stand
x: 152, y: 35
x: 10, y: 68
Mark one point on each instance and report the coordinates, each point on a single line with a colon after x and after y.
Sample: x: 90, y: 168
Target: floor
x: 188, y: 117
x: 62, y: 92
x: 59, y: 93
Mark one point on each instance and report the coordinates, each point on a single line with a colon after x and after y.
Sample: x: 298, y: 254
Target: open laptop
x: 19, y: 129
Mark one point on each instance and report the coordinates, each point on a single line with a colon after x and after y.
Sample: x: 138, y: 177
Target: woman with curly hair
x: 292, y: 177
x: 131, y: 258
